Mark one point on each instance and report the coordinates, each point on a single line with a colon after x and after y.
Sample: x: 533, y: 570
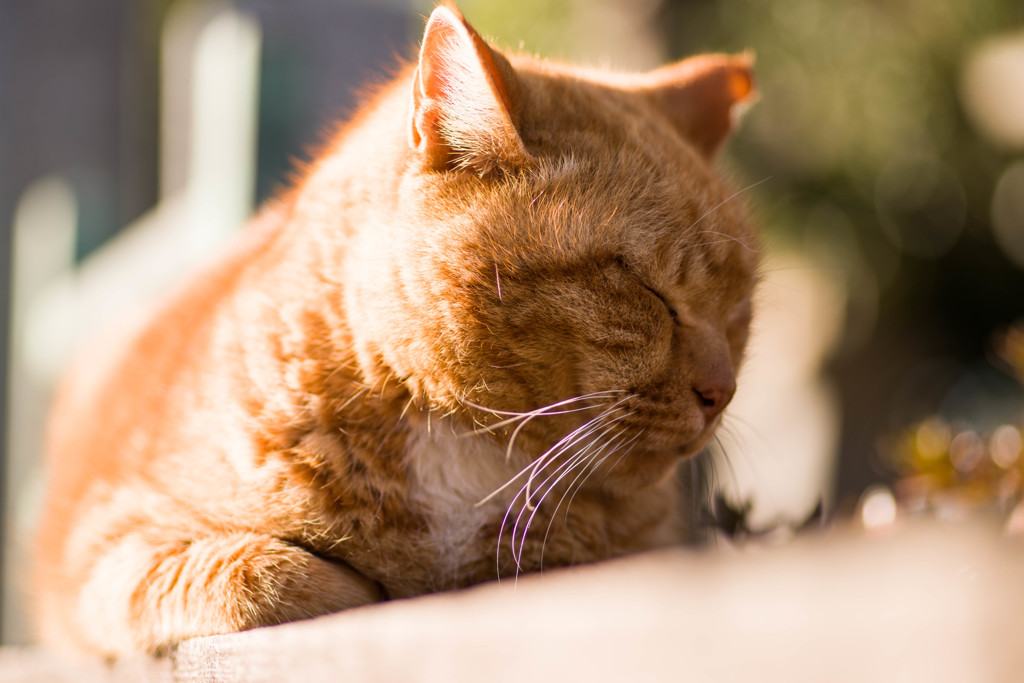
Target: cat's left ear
x: 464, y: 99
x: 704, y: 96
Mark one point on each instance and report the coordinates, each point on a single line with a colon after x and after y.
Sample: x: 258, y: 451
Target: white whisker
x: 543, y: 409
x: 548, y: 457
x: 577, y: 460
x: 536, y: 462
x: 728, y: 238
x: 530, y: 415
x: 610, y: 444
x: 583, y: 431
x: 526, y: 416
x: 560, y: 447
x: 726, y: 201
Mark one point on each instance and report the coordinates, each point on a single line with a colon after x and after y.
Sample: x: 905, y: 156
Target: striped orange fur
x: 473, y: 341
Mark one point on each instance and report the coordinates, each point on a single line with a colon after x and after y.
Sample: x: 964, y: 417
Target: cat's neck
x: 359, y: 176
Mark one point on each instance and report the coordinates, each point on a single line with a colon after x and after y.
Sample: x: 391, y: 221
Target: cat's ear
x: 704, y: 96
x: 464, y: 99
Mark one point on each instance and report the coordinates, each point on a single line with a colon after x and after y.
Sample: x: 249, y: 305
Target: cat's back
x: 119, y: 410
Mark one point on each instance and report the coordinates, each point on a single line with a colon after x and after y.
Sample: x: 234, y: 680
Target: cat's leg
x: 142, y: 595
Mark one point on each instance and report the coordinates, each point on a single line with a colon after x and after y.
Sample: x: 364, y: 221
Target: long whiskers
x: 528, y: 416
x: 574, y: 488
x: 528, y: 506
x: 592, y: 463
x: 582, y: 432
x: 726, y: 201
x: 544, y: 410
x: 577, y: 461
x: 593, y: 435
x: 728, y: 238
x: 549, y: 456
x: 565, y: 442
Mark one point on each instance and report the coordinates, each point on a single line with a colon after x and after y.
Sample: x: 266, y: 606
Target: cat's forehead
x: 577, y: 214
x: 563, y: 113
x: 618, y: 201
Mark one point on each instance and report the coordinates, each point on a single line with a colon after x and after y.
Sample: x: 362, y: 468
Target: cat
x: 474, y: 340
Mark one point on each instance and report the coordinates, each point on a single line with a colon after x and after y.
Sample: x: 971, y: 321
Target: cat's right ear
x: 464, y: 98
x: 704, y: 96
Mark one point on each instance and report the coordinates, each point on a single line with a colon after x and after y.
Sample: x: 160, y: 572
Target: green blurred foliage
x: 877, y: 175
x: 536, y: 26
x: 611, y: 33
x: 860, y: 127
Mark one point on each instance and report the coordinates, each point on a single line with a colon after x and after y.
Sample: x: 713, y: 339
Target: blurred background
x: 885, y: 160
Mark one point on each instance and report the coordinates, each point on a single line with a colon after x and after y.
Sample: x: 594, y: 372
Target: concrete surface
x: 917, y: 602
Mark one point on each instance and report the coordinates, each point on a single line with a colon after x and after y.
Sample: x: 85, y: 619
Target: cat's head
x: 561, y: 234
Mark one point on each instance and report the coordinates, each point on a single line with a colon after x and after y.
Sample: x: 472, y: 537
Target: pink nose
x: 712, y: 377
x: 714, y: 391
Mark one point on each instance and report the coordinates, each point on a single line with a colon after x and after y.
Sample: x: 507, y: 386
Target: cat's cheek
x: 638, y: 470
x: 637, y: 368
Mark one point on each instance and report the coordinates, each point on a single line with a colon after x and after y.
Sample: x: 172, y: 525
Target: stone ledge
x: 922, y: 602
x: 31, y: 665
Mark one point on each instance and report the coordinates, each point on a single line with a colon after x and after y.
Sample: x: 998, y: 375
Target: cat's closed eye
x: 672, y: 312
x: 625, y: 266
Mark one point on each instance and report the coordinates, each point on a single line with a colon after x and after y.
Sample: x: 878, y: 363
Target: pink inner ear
x: 462, y: 108
x: 455, y: 60
x: 742, y: 84
x: 440, y: 42
x: 702, y: 94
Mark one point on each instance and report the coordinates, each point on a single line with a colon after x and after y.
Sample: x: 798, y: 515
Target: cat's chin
x: 648, y: 465
x: 640, y: 470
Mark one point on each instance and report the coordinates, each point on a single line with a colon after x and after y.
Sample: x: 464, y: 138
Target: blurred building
x: 114, y: 123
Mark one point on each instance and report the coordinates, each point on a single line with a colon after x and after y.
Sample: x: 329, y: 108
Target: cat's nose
x: 714, y: 390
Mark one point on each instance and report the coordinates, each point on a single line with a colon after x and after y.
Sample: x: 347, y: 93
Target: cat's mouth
x: 649, y: 459
x: 690, y: 447
x: 638, y: 469
x: 683, y: 439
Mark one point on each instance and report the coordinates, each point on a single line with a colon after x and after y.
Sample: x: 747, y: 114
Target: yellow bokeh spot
x: 931, y: 440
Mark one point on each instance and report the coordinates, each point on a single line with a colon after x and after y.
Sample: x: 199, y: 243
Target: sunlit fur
x: 473, y: 341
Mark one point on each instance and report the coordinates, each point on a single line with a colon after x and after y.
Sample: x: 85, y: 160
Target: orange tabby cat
x: 474, y: 341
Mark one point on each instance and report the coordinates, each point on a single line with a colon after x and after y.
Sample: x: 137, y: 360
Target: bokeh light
x: 877, y: 507
x: 1008, y: 211
x: 1006, y: 446
x: 993, y: 89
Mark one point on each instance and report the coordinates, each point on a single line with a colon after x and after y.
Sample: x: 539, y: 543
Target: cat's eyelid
x: 661, y: 297
x: 621, y: 261
x: 742, y: 310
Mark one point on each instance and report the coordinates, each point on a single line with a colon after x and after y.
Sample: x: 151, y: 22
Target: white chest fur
x: 451, y: 473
